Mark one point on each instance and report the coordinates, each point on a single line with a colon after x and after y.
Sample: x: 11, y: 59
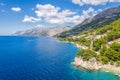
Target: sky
x: 16, y: 15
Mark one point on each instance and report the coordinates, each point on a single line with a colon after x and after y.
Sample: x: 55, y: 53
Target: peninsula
x: 99, y: 45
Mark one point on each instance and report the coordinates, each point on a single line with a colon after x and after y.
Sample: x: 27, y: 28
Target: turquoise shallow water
x: 42, y: 58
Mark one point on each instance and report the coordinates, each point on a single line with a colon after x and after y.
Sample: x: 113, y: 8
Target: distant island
x: 99, y: 42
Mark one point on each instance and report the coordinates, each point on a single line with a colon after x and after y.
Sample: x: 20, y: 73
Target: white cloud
x: 55, y: 15
x: 114, y: 0
x: 39, y: 25
x: 46, y: 10
x: 93, y: 2
x: 100, y: 10
x: 50, y: 14
x: 16, y: 9
x: 86, y: 12
x: 77, y: 2
x: 90, y: 2
x: 30, y: 19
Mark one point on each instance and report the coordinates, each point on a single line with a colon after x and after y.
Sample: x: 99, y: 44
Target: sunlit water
x: 42, y: 58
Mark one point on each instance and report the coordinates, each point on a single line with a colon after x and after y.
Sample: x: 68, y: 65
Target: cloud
x: 100, y: 10
x: 95, y: 2
x: 77, y: 2
x: 114, y: 0
x: 16, y: 9
x: 51, y: 14
x: 55, y: 15
x: 39, y: 25
x: 92, y: 2
x: 87, y: 12
x: 46, y: 10
x: 30, y: 19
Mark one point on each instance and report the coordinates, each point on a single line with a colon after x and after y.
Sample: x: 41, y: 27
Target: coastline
x: 93, y: 65
x: 111, y: 68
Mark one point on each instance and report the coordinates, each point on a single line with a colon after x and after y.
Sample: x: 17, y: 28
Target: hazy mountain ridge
x: 41, y: 31
x: 103, y: 18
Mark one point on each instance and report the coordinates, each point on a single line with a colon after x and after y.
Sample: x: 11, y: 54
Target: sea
x: 42, y: 58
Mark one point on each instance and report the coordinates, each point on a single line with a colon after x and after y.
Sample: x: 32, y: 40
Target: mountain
x: 40, y: 31
x: 57, y: 30
x: 37, y: 31
x: 103, y: 18
x: 99, y: 48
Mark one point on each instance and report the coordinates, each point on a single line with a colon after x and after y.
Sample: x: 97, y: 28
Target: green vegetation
x: 98, y: 42
x: 111, y: 54
x: 86, y: 54
x: 107, y: 52
x: 115, y: 31
x: 103, y: 29
x: 81, y: 41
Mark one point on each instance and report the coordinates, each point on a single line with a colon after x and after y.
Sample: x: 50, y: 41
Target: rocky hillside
x: 40, y: 31
x: 100, y: 20
x: 103, y: 44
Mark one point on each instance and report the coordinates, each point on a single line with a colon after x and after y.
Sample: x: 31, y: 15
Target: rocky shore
x: 93, y: 64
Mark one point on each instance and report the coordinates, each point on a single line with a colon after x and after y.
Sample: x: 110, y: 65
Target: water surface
x: 42, y: 58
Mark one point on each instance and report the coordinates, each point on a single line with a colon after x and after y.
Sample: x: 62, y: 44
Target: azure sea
x: 42, y: 58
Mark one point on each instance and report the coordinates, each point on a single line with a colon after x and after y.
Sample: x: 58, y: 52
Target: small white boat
x: 116, y: 75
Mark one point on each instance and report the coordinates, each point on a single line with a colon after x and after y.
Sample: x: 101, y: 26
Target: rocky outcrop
x: 91, y: 64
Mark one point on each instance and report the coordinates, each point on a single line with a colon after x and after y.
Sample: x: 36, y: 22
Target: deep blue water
x: 42, y: 58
